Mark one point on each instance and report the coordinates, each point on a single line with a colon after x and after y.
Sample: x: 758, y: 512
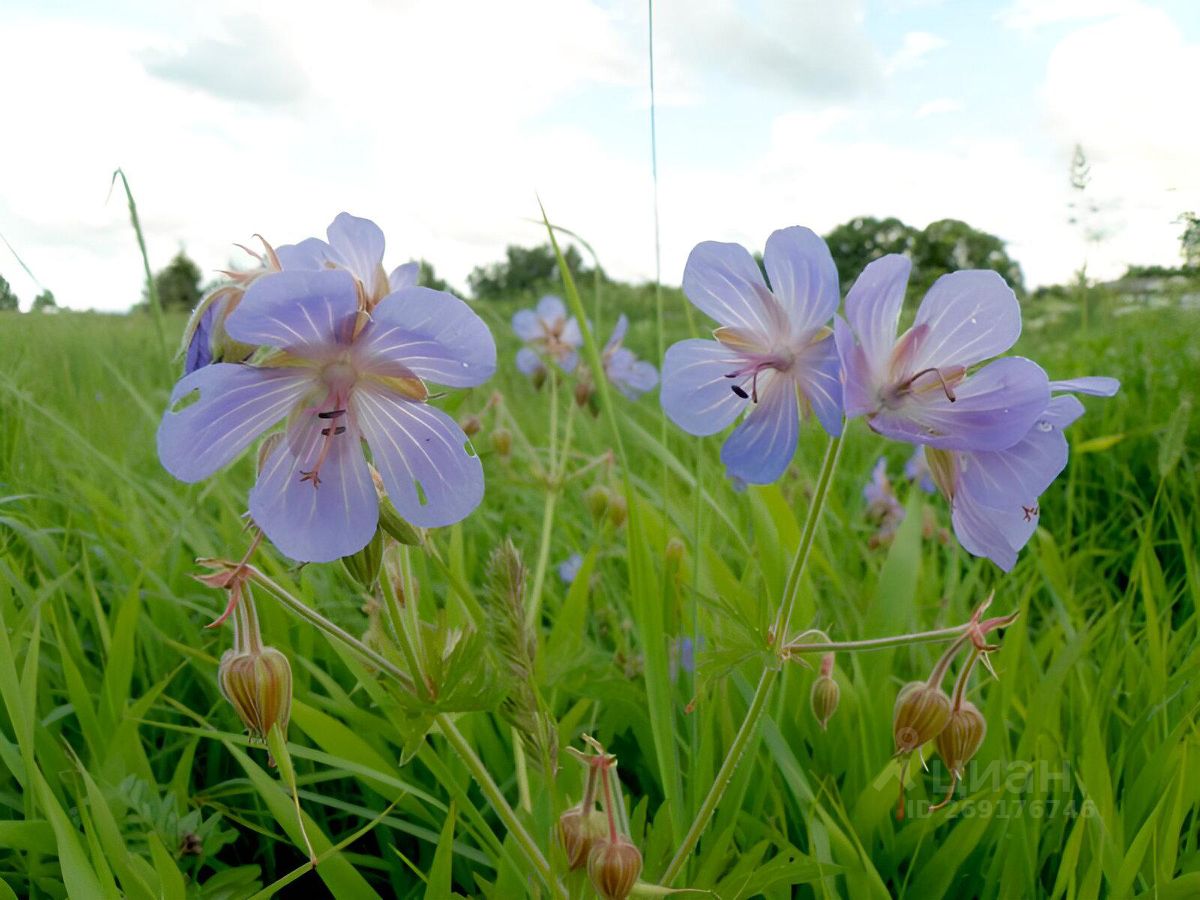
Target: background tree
x: 1189, y: 240
x: 429, y: 278
x: 524, y: 271
x: 949, y: 245
x: 178, y: 285
x: 44, y: 302
x: 861, y: 240
x: 8, y: 300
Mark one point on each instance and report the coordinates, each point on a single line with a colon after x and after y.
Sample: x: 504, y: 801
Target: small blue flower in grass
x: 917, y: 470
x: 994, y: 494
x: 919, y: 388
x: 569, y: 568
x: 774, y: 353
x: 344, y: 370
x: 551, y: 335
x: 630, y: 375
x: 883, y: 508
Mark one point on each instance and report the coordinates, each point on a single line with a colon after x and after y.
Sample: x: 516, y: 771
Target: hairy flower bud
x: 258, y: 684
x: 471, y: 425
x: 364, y: 565
x: 583, y: 392
x: 578, y: 832
x: 502, y: 441
x: 597, y: 498
x: 618, y: 510
x: 824, y: 699
x: 921, y: 713
x: 961, y: 738
x: 614, y: 866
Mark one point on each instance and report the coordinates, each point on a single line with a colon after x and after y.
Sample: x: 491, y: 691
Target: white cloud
x: 1026, y: 15
x: 940, y: 106
x: 913, y: 50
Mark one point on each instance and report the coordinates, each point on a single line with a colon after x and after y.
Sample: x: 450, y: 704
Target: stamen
x: 341, y: 429
x: 329, y: 434
x: 740, y: 391
x: 945, y: 387
x: 332, y: 414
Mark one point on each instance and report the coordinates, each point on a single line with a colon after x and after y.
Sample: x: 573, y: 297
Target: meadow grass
x: 124, y: 772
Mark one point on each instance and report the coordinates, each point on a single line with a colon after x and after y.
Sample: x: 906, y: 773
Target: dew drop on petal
x: 1045, y: 426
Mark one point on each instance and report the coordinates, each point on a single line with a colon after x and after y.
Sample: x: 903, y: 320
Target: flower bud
x: 614, y: 866
x: 961, y: 738
x: 597, y: 498
x: 618, y: 510
x: 578, y: 832
x: 674, y: 551
x: 539, y: 377
x: 583, y: 392
x: 396, y: 525
x: 471, y: 425
x: 258, y: 685
x: 921, y: 713
x: 502, y: 441
x: 364, y: 565
x: 824, y: 699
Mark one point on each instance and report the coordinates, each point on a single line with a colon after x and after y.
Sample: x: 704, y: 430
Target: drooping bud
x: 921, y: 713
x: 961, y: 738
x: 257, y: 682
x: 618, y: 510
x: 471, y: 425
x: 539, y: 377
x: 390, y: 520
x: 502, y: 441
x: 364, y: 565
x: 614, y: 866
x: 674, y: 551
x: 825, y: 693
x: 597, y: 498
x: 583, y: 392
x: 578, y: 832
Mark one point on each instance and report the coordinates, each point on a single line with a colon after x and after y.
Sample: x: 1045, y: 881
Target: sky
x: 445, y: 122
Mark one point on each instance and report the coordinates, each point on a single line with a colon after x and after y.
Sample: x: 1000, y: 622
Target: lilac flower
x: 917, y: 388
x: 682, y: 656
x: 883, y: 509
x: 630, y: 375
x: 340, y: 375
x: 551, y: 335
x: 994, y: 494
x: 773, y: 353
x: 569, y: 567
x: 917, y: 470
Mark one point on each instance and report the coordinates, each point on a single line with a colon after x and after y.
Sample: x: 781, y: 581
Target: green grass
x: 117, y: 751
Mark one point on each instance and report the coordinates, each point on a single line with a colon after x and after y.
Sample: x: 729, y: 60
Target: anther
x: 332, y: 414
x: 945, y: 387
x: 740, y: 391
x: 341, y: 429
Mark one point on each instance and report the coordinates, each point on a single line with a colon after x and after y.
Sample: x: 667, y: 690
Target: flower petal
x: 1018, y: 475
x: 404, y: 276
x: 724, y: 282
x: 860, y: 380
x: 306, y: 313
x: 358, y: 244
x: 819, y: 377
x: 760, y: 449
x: 618, y: 333
x: 526, y: 325
x: 432, y: 334
x: 310, y: 255
x: 551, y: 309
x: 316, y: 524
x: 237, y: 403
x: 803, y: 277
x: 873, y: 307
x: 632, y: 377
x: 971, y: 316
x: 992, y: 533
x: 528, y: 362
x: 992, y: 409
x: 422, y: 455
x: 571, y: 335
x: 696, y: 393
x: 1095, y: 385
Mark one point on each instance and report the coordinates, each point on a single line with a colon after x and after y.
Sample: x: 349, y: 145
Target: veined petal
x: 873, y: 306
x: 1018, y: 475
x: 1095, y: 385
x: 358, y: 244
x: 803, y: 277
x: 550, y: 309
x: 993, y: 533
x: 971, y: 316
x: 818, y: 375
x: 632, y: 377
x: 992, y: 409
x: 306, y: 313
x: 422, y: 455
x: 310, y: 255
x: 618, y: 333
x: 724, y: 282
x: 430, y: 333
x: 404, y: 276
x: 528, y: 362
x: 696, y: 393
x: 860, y: 381
x: 316, y: 524
x: 237, y: 403
x: 526, y: 325
x: 760, y: 449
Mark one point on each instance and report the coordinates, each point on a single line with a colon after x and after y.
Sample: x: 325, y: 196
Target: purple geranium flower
x: 994, y: 494
x: 630, y: 375
x: 344, y: 371
x: 550, y: 333
x: 917, y: 470
x: 883, y: 508
x: 917, y: 388
x: 773, y: 353
x: 569, y: 567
